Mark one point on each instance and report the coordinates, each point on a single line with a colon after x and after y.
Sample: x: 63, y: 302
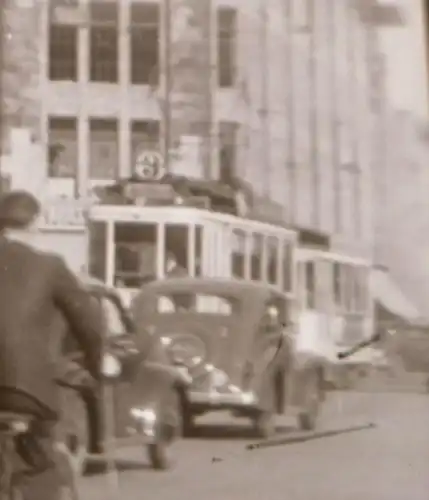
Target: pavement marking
x: 307, y: 436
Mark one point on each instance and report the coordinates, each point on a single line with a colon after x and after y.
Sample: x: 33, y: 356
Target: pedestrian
x: 172, y: 268
x: 38, y: 295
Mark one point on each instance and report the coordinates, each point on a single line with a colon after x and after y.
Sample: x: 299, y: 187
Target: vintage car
x: 234, y: 339
x: 141, y: 407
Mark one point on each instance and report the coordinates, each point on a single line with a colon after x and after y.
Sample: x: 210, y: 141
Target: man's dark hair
x: 18, y: 210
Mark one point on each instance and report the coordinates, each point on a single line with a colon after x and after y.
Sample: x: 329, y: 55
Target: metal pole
x: 264, y: 112
x: 2, y: 117
x: 290, y: 114
x: 166, y: 83
x: 314, y: 133
x: 335, y: 136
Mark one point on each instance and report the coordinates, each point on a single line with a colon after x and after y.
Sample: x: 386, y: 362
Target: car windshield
x: 169, y: 303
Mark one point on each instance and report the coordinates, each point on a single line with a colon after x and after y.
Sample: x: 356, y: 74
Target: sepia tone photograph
x: 214, y: 249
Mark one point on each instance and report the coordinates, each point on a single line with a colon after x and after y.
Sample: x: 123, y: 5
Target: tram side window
x: 361, y: 289
x: 310, y: 282
x: 97, y: 250
x: 272, y: 260
x: 256, y: 259
x: 176, y: 248
x: 198, y: 251
x: 238, y: 254
x: 349, y: 287
x: 337, y: 285
x: 287, y: 267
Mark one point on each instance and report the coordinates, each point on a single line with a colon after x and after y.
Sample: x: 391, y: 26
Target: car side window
x: 113, y: 317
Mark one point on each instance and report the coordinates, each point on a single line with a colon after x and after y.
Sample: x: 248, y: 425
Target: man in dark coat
x: 38, y: 293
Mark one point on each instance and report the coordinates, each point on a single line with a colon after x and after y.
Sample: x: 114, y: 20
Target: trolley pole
x: 166, y: 83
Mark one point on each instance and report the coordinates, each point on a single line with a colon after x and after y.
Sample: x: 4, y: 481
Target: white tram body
x: 335, y: 300
x: 130, y: 244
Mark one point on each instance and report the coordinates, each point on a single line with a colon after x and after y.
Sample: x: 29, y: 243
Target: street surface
x: 390, y: 462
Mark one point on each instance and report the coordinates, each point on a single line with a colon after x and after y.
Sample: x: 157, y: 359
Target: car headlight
x: 187, y: 350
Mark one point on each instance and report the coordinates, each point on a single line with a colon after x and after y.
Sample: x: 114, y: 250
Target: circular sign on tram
x: 149, y: 166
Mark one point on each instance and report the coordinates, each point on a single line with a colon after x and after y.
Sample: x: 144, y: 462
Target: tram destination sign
x: 143, y: 193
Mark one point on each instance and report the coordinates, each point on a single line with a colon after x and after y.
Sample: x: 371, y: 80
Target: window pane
x: 176, y: 243
x: 144, y: 14
x: 97, y: 250
x: 104, y: 155
x: 337, y: 285
x: 238, y: 255
x: 145, y: 56
x: 104, y: 54
x: 272, y: 260
x: 196, y: 303
x: 62, y: 53
x: 62, y: 149
x: 226, y: 46
x: 144, y: 40
x: 135, y: 254
x: 310, y: 280
x: 256, y: 259
x: 287, y: 267
x: 103, y: 12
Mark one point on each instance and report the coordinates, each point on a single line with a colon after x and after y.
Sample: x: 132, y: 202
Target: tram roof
x: 306, y: 254
x: 216, y: 285
x: 181, y: 215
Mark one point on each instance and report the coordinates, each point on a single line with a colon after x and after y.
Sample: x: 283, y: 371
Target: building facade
x: 406, y: 51
x: 286, y: 94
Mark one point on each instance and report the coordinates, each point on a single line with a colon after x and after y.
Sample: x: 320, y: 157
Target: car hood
x: 199, y: 339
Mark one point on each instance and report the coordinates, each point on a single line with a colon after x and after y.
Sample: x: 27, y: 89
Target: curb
x: 308, y: 436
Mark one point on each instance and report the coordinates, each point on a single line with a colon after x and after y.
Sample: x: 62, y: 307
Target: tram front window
x: 177, y: 252
x: 256, y: 258
x: 135, y: 254
x: 97, y: 250
x: 144, y: 252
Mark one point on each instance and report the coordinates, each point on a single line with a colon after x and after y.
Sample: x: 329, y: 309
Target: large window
x: 227, y: 33
x: 63, y: 65
x: 227, y: 151
x: 103, y: 39
x: 62, y: 152
x: 144, y: 39
x: 104, y: 157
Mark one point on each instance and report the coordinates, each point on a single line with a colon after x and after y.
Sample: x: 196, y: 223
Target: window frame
x: 54, y: 75
x: 94, y: 59
x: 226, y: 38
x: 151, y: 75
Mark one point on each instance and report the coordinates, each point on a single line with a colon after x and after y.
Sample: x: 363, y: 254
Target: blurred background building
x: 297, y: 97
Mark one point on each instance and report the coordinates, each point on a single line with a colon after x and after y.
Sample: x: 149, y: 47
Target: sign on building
x: 150, y: 166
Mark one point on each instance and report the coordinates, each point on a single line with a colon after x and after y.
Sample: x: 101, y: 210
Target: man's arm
x: 85, y: 321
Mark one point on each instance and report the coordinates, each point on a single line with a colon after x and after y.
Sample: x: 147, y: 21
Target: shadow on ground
x: 231, y: 432
x: 99, y: 466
